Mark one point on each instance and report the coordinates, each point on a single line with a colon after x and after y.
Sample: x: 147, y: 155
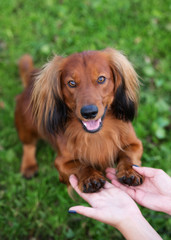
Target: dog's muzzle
x: 89, y: 112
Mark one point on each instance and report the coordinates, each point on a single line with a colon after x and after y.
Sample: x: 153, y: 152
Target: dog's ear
x: 125, y: 102
x: 48, y: 107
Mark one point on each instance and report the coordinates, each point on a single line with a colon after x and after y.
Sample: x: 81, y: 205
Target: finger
x: 73, y: 180
x: 116, y: 183
x: 128, y: 190
x: 110, y: 176
x: 111, y: 170
x: 146, y: 171
x: 107, y: 185
x: 86, y: 211
x: 122, y: 186
x: 74, y: 183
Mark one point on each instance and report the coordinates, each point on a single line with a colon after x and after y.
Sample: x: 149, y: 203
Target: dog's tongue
x: 92, y: 124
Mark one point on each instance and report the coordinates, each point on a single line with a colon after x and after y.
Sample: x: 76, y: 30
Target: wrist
x: 129, y: 215
x: 165, y: 205
x: 129, y: 221
x: 136, y: 227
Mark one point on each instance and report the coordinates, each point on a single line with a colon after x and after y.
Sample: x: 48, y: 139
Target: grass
x: 37, y: 209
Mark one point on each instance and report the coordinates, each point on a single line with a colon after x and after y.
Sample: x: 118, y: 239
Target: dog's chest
x: 97, y: 150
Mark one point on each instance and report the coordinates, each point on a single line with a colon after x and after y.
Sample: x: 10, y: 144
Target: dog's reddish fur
x: 50, y: 109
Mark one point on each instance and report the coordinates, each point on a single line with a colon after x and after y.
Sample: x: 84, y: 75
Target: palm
x: 153, y: 190
x: 146, y: 193
x: 108, y: 205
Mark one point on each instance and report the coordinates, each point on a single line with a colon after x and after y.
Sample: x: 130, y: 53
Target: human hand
x: 110, y: 205
x: 113, y: 206
x: 154, y: 193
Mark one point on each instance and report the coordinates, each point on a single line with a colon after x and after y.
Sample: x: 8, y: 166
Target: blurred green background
x: 37, y: 209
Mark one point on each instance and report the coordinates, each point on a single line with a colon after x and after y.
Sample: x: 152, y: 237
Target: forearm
x: 134, y: 228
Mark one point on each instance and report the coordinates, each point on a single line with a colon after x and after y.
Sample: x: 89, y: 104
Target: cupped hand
x: 154, y: 193
x: 110, y: 205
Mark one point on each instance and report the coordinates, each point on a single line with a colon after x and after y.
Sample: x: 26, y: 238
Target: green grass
x: 37, y: 209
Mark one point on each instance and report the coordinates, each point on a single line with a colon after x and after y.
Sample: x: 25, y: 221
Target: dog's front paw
x: 129, y: 177
x: 30, y: 171
x: 92, y: 183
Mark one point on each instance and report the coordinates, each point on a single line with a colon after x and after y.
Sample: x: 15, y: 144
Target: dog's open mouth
x: 92, y: 126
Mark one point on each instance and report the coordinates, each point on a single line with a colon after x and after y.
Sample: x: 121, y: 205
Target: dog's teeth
x: 85, y: 124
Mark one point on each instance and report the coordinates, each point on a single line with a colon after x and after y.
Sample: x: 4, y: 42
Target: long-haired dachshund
x: 83, y: 105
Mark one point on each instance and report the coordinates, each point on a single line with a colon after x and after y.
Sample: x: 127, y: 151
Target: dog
x: 83, y: 105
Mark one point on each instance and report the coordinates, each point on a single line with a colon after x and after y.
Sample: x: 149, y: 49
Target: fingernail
x: 135, y: 165
x: 72, y: 211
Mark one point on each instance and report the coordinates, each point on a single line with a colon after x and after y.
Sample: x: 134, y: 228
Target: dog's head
x: 85, y: 85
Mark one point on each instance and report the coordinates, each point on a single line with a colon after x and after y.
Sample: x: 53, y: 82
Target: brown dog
x: 83, y: 105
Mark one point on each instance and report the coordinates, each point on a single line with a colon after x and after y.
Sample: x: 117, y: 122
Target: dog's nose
x: 89, y: 111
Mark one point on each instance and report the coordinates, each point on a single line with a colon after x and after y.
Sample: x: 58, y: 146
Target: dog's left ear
x: 125, y: 102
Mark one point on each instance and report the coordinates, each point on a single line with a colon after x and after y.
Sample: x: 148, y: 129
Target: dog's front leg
x: 89, y: 179
x: 131, y: 155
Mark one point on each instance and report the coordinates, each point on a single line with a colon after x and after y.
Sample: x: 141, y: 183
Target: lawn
x: 38, y: 208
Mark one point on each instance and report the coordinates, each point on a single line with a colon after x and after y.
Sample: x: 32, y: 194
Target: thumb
x: 86, y: 211
x: 145, y: 171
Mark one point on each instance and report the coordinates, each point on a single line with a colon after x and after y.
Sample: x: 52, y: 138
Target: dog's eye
x: 72, y: 84
x: 101, y: 79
